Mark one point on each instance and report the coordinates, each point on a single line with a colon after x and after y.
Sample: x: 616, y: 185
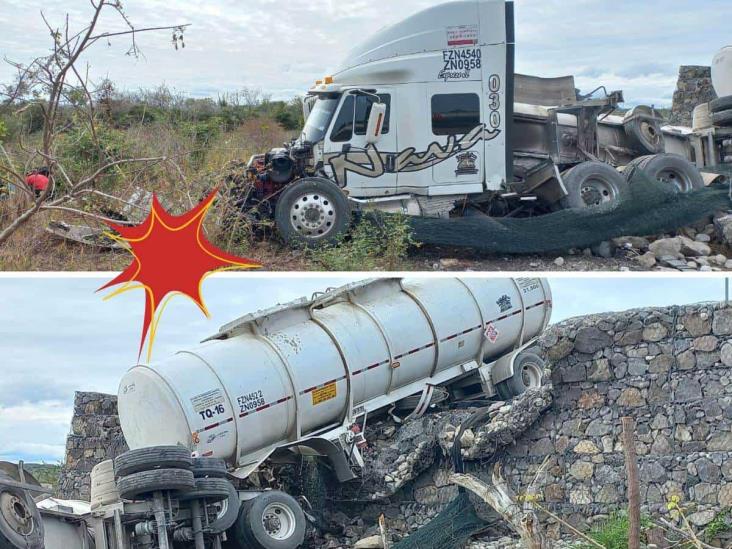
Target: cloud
x: 284, y: 47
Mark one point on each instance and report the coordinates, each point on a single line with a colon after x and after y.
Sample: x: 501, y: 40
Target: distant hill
x: 45, y: 473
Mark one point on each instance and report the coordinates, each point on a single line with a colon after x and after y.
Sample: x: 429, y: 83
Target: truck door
x: 457, y: 137
x: 364, y: 170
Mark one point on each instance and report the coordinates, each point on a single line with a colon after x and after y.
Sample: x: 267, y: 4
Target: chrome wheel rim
x: 278, y: 521
x: 313, y: 215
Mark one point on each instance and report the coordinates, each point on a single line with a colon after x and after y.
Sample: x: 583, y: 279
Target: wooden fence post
x: 631, y: 467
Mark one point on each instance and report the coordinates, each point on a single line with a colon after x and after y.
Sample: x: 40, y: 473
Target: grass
x: 722, y: 524
x: 613, y: 533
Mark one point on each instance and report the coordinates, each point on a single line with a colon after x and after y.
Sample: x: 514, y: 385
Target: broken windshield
x: 319, y: 119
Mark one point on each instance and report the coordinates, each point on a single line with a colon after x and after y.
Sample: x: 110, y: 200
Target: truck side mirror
x: 376, y: 123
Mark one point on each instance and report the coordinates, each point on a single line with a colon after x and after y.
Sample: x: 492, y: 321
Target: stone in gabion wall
x: 694, y: 88
x: 671, y: 370
x: 95, y: 436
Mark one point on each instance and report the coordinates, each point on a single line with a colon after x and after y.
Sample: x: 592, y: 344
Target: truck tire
x: 272, y: 520
x: 152, y: 458
x: 721, y: 104
x: 592, y: 184
x: 722, y: 119
x: 209, y: 467
x: 673, y: 170
x: 312, y: 211
x: 528, y: 371
x: 146, y: 482
x: 644, y: 135
x: 212, y: 489
x: 21, y: 526
x: 228, y: 512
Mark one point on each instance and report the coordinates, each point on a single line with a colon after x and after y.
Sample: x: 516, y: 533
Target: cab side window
x: 343, y: 128
x: 455, y: 113
x: 363, y: 110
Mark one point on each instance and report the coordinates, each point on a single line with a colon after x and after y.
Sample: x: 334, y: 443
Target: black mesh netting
x: 452, y: 528
x: 649, y: 208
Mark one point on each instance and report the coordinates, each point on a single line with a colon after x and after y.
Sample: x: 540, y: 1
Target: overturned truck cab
x: 428, y: 118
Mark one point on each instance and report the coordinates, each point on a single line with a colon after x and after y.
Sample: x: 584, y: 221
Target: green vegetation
x: 722, y: 524
x: 45, y: 473
x: 613, y: 533
x: 375, y: 242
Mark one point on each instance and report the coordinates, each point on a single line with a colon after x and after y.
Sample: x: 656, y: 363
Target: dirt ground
x: 33, y: 249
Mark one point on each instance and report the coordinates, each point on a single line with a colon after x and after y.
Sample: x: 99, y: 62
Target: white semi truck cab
x: 428, y: 115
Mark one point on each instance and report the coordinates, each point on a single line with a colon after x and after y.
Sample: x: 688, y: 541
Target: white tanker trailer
x: 304, y: 377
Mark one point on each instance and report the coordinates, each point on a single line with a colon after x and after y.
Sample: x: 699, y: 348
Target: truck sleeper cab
x: 428, y: 114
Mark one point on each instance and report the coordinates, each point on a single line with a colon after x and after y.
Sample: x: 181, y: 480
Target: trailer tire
x: 272, y: 520
x: 312, y: 211
x: 672, y: 169
x: 209, y: 467
x: 21, y: 526
x: 722, y: 119
x: 721, y: 104
x: 229, y: 512
x: 644, y: 134
x: 212, y: 489
x: 528, y: 371
x: 592, y: 184
x: 146, y: 482
x: 152, y: 458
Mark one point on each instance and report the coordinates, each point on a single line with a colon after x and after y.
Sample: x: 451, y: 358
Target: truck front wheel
x: 272, y: 520
x: 312, y: 211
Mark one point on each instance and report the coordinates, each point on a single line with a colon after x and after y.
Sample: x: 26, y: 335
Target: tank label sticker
x: 462, y: 35
x: 324, y: 394
x: 528, y: 285
x: 491, y: 333
x: 250, y: 401
x: 209, y: 404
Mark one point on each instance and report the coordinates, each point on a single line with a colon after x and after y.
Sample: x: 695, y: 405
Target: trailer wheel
x: 592, y: 184
x: 209, y: 467
x: 312, y: 211
x: 228, y: 511
x: 672, y: 170
x: 528, y: 371
x: 272, y: 520
x: 212, y: 489
x: 146, y: 482
x: 154, y: 457
x: 722, y: 119
x: 721, y: 104
x: 644, y: 133
x: 21, y: 526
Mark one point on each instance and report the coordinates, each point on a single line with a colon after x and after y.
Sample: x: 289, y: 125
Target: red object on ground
x: 38, y: 181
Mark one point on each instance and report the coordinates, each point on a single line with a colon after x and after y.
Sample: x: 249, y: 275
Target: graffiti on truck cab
x: 372, y: 163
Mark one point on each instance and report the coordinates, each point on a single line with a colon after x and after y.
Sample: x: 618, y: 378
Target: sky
x: 58, y: 336
x: 283, y: 47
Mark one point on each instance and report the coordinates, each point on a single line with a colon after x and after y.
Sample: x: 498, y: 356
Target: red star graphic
x: 171, y: 256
